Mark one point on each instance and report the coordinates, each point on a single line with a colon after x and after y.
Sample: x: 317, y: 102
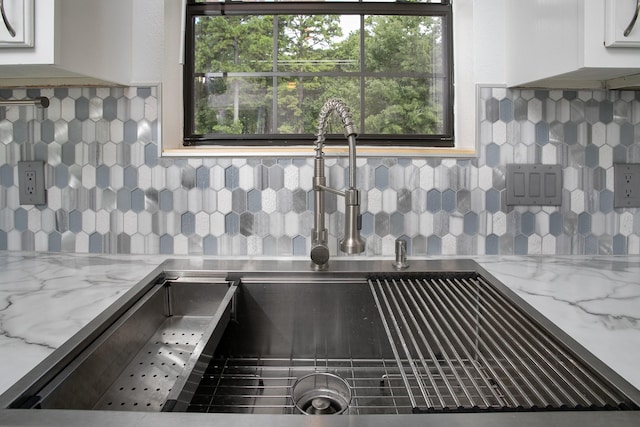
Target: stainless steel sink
x: 442, y: 342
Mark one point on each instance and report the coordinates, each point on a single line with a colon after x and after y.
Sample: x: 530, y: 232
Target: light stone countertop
x: 45, y: 298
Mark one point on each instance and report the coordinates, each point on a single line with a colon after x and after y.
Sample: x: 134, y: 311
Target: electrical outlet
x: 31, y: 183
x: 626, y: 185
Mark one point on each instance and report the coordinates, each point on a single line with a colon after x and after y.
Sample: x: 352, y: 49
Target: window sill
x: 307, y: 151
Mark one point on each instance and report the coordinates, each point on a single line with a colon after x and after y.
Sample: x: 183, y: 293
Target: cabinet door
x: 16, y: 25
x: 622, y: 17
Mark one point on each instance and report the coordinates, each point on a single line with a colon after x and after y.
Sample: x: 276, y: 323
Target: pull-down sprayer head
x: 352, y: 242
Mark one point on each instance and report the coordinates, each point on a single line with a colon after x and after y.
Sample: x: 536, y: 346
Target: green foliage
x: 309, y: 46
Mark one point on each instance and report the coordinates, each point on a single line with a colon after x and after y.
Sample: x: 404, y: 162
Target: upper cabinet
x: 95, y: 42
x: 571, y: 44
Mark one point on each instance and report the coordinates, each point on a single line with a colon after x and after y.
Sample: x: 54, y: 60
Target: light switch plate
x: 534, y: 185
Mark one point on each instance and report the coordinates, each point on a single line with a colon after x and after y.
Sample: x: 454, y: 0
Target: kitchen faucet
x: 352, y: 242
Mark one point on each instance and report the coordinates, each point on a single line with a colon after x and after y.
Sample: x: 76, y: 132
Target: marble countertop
x: 46, y: 298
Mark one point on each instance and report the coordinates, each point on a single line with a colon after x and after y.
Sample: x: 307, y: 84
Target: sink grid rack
x: 458, y: 344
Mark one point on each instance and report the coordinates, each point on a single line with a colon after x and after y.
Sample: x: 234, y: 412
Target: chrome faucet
x: 352, y: 242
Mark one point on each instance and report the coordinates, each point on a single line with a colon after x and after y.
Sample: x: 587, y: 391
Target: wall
x: 108, y: 192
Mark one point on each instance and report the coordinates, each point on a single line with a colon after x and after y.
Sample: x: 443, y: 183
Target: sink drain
x: 321, y: 394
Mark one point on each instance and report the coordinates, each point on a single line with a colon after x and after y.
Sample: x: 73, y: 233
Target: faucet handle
x: 319, y: 256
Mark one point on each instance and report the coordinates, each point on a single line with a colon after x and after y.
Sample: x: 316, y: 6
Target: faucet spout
x: 352, y: 242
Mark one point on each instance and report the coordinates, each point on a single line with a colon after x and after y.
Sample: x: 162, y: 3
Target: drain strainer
x: 321, y: 394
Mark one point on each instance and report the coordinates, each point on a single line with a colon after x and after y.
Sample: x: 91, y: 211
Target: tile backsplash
x: 109, y: 192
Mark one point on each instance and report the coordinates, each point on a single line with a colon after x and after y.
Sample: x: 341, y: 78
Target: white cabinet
x: 16, y: 28
x: 561, y: 44
x: 89, y: 42
x: 622, y: 25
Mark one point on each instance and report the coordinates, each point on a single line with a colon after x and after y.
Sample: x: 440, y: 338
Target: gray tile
x: 367, y: 224
x: 520, y: 109
x: 528, y: 223
x: 449, y: 200
x: 75, y: 221
x: 506, y: 110
x: 584, y: 223
x: 492, y: 200
x: 231, y: 177
x: 123, y: 243
x: 210, y: 245
x: 6, y: 175
x: 299, y: 200
x: 627, y: 134
x: 188, y: 223
x: 542, y: 133
x: 606, y: 201
x: 492, y: 153
x: 75, y: 130
x: 82, y: 108
x: 606, y: 112
x: 165, y: 200
x: 463, y: 201
x: 591, y: 245
x: 556, y: 227
x: 276, y: 177
x: 47, y: 131
x: 3, y: 241
x: 492, y: 110
x: 110, y: 108
x: 130, y: 175
x: 396, y: 224
x: 20, y: 131
x: 54, y: 242
x: 620, y: 154
x: 591, y: 156
x: 434, y: 201
x: 95, y: 243
x: 405, y: 202
x: 151, y: 155
x: 492, y: 245
x: 202, y: 177
x: 619, y: 246
x: 188, y: 177
x: 299, y: 245
x: 246, y: 223
x: 521, y: 245
x: 103, y: 176
x: 166, y: 244
x: 130, y: 131
x: 571, y: 133
x: 123, y: 199
x: 137, y: 200
x: 381, y: 224
x: 381, y: 177
x: 470, y: 223
x: 577, y: 111
x: 591, y: 111
x: 254, y: 201
x: 434, y: 245
x: 21, y: 220
x: 232, y: 223
x: 144, y: 92
x: 239, y: 200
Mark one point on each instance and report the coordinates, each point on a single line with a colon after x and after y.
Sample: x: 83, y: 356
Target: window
x: 257, y: 73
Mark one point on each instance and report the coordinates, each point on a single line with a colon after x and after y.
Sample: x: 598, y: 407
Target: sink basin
x: 209, y: 338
